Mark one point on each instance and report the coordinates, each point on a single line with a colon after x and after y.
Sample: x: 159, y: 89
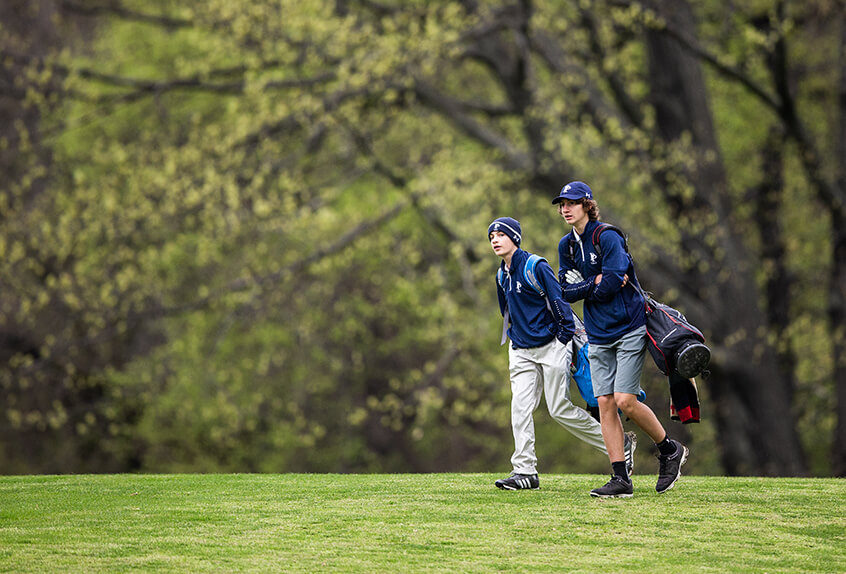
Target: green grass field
x: 441, y: 522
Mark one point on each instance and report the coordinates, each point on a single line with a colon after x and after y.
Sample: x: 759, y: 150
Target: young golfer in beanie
x: 615, y: 321
x: 540, y: 326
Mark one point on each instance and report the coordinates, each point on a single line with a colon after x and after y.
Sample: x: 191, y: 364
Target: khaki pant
x: 546, y: 370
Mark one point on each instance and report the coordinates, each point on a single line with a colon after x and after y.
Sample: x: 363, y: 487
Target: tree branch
x: 830, y: 193
x: 514, y: 158
x: 116, y: 9
x: 294, y: 121
x: 595, y: 103
x: 399, y: 181
x: 199, y: 82
x: 696, y: 49
x: 627, y: 104
x: 245, y: 283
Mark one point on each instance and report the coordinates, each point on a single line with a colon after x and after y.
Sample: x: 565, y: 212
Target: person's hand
x: 599, y: 278
x: 573, y: 276
x: 563, y: 335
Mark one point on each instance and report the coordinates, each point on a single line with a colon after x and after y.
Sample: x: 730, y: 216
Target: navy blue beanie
x: 509, y: 226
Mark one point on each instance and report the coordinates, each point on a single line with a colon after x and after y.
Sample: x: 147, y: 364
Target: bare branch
x: 378, y: 8
x: 830, y: 193
x: 725, y: 69
x: 627, y: 104
x: 696, y: 49
x: 399, y: 181
x: 116, y: 9
x: 514, y: 158
x: 295, y: 120
x: 554, y: 57
x: 269, y: 280
x: 783, y: 104
x: 489, y: 110
x: 198, y: 82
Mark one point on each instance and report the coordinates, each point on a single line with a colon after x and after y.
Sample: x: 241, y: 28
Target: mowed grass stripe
x: 438, y: 522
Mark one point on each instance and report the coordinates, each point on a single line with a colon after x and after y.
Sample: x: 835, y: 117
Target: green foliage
x: 260, y: 241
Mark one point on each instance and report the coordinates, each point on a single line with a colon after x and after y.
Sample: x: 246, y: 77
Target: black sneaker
x: 629, y: 447
x: 519, y: 482
x: 692, y: 359
x: 669, y: 467
x: 614, y: 488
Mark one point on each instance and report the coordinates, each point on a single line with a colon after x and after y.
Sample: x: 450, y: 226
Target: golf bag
x: 674, y: 343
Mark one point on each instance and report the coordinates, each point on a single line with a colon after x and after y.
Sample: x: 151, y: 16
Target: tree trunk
x: 837, y: 282
x: 752, y: 396
x: 769, y: 204
x: 837, y: 319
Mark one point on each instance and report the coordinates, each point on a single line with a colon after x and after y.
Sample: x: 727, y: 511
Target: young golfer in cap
x: 540, y: 326
x: 615, y: 321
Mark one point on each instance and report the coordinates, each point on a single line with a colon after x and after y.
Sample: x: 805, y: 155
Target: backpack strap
x: 506, y: 319
x: 648, y: 301
x: 530, y: 276
x: 570, y: 253
x: 605, y: 227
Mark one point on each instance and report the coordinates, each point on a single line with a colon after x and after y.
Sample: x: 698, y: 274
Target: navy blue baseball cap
x: 574, y: 190
x: 509, y: 226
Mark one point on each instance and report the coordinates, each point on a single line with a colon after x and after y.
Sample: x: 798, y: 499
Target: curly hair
x: 591, y: 207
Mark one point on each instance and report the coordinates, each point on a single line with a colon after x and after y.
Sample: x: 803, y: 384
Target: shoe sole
x: 630, y: 458
x: 593, y: 494
x: 503, y: 485
x: 685, y: 452
x: 693, y: 361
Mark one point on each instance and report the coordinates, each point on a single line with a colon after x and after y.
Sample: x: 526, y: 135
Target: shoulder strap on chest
x: 500, y: 277
x: 606, y: 227
x: 570, y: 251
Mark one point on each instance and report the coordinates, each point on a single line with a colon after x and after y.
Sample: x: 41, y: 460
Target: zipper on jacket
x: 581, y: 245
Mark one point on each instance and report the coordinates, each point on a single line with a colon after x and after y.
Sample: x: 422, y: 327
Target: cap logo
x: 567, y: 187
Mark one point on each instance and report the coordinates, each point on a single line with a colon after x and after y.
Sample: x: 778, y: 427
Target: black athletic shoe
x: 629, y: 447
x: 692, y: 359
x: 519, y: 482
x: 614, y: 488
x: 669, y: 467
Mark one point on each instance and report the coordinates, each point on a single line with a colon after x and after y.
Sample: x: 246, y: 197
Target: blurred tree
x: 263, y: 243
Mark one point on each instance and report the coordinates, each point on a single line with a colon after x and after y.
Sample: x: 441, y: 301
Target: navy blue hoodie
x: 611, y: 310
x: 532, y: 322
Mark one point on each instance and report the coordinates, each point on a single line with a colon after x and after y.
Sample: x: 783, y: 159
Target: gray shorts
x: 616, y: 367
